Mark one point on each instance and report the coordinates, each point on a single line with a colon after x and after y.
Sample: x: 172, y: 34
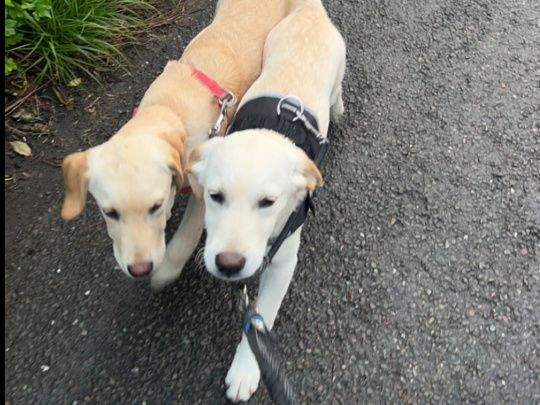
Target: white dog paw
x: 337, y: 110
x: 243, y: 376
x: 164, y: 275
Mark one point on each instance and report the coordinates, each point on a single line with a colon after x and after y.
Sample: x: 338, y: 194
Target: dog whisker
x: 199, y: 260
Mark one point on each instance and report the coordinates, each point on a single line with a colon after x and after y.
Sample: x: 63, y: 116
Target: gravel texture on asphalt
x: 418, y: 279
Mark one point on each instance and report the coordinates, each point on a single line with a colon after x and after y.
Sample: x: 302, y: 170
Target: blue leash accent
x: 261, y: 341
x: 257, y: 319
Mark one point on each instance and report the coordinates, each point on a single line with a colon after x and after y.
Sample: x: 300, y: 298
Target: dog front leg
x: 181, y: 246
x: 244, y: 374
x: 337, y: 108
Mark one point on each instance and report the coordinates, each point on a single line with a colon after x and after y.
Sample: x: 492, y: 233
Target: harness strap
x: 295, y: 221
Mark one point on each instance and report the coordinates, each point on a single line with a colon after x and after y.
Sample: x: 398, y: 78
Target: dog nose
x: 230, y: 263
x: 140, y: 269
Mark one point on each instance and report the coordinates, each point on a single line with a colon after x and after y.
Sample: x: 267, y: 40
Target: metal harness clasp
x: 298, y: 109
x: 245, y: 298
x: 226, y: 100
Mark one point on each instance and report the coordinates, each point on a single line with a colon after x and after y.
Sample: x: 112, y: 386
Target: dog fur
x: 134, y: 175
x: 252, y: 180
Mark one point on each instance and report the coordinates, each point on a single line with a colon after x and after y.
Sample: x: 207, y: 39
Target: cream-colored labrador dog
x: 134, y: 175
x: 252, y: 180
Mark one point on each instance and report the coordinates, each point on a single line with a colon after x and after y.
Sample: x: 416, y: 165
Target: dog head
x: 133, y: 178
x: 250, y: 181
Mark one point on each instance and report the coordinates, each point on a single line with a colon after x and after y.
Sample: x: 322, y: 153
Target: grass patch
x: 58, y: 39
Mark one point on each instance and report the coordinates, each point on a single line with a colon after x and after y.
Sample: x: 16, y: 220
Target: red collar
x: 224, y: 98
x: 210, y: 84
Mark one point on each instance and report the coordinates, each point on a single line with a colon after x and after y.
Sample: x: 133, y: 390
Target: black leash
x: 261, y: 341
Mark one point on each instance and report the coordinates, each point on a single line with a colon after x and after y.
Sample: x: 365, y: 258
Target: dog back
x: 304, y: 55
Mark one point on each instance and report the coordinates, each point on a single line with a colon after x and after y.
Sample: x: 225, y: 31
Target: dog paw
x: 337, y: 110
x: 164, y: 275
x: 243, y: 376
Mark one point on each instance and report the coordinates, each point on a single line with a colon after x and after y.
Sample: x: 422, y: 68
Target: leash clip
x: 251, y: 315
x: 245, y: 298
x: 225, y: 100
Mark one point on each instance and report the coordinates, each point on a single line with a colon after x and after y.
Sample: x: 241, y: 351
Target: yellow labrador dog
x: 253, y: 180
x: 134, y: 175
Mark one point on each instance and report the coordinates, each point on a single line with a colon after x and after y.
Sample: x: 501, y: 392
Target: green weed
x: 59, y: 38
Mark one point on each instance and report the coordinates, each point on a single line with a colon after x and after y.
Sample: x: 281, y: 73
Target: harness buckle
x: 298, y: 110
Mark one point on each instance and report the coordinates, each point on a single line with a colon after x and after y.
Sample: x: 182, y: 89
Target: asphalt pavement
x: 418, y: 279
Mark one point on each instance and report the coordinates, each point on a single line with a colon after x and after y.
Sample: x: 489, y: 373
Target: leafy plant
x: 57, y: 38
x: 16, y: 15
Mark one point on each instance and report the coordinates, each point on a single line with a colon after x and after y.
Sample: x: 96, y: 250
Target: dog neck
x: 196, y: 106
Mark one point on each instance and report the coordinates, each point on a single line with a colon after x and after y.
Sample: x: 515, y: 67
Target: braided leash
x: 261, y: 341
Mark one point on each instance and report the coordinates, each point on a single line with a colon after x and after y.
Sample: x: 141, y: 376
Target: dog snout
x: 230, y: 263
x: 140, y: 269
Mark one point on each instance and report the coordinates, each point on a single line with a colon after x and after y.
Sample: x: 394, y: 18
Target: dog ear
x: 193, y: 170
x: 75, y: 174
x: 196, y: 163
x: 175, y: 139
x: 312, y: 174
x: 175, y: 165
x: 306, y: 176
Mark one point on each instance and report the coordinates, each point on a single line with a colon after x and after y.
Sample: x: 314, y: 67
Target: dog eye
x: 265, y: 203
x: 217, y: 197
x: 154, y: 208
x: 112, y: 214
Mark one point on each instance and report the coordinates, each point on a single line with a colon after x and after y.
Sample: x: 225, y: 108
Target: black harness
x: 288, y: 116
